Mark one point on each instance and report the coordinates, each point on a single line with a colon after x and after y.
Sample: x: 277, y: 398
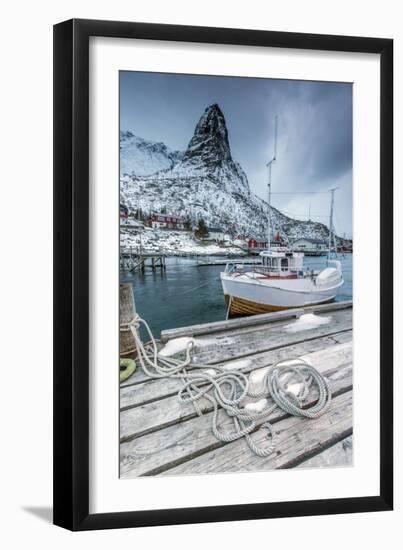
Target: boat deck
x: 161, y: 436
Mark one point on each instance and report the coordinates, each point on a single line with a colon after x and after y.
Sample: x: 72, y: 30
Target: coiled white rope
x: 227, y: 389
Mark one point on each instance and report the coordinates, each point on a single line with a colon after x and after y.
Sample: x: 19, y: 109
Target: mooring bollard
x: 127, y: 311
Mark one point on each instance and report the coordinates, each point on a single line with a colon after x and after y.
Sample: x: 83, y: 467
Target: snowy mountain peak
x: 203, y: 182
x: 208, y: 155
x: 209, y: 143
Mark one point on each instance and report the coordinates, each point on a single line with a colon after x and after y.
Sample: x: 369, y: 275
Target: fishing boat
x: 282, y: 281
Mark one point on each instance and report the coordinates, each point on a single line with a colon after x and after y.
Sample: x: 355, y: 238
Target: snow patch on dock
x: 236, y: 365
x: 176, y: 346
x: 306, y: 322
x: 257, y: 406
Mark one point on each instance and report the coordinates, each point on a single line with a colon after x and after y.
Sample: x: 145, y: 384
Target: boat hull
x: 247, y: 296
x: 240, y: 306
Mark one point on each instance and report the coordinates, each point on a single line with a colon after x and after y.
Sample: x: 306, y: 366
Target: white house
x: 310, y: 247
x: 216, y: 234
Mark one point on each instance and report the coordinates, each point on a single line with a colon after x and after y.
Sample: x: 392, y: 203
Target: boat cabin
x: 282, y: 261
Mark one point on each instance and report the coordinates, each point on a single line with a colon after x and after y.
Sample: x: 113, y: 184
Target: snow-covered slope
x: 204, y: 181
x: 172, y: 241
x: 141, y: 157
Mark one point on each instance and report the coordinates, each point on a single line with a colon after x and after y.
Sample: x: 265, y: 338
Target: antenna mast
x: 269, y: 164
x: 331, y: 228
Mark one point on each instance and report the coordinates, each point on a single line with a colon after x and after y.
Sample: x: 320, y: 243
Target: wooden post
x: 127, y: 311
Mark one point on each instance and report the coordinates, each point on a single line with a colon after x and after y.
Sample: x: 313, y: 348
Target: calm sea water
x: 185, y: 294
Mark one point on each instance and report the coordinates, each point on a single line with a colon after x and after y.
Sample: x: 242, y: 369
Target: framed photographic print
x: 223, y: 273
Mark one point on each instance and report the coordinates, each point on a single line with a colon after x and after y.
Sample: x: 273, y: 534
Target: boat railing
x: 236, y: 267
x: 278, y: 269
x: 270, y: 269
x: 233, y: 267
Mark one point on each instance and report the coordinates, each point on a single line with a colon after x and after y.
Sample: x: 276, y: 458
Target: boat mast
x: 269, y: 164
x: 331, y: 220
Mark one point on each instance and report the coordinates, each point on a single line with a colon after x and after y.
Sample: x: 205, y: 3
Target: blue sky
x: 314, y: 146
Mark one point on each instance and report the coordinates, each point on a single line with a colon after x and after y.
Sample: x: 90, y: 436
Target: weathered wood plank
x: 272, y: 325
x: 243, y: 342
x: 297, y: 439
x: 339, y: 455
x: 152, y: 390
x: 185, y: 441
x: 267, y: 338
x: 255, y: 320
x: 139, y: 420
x: 194, y: 437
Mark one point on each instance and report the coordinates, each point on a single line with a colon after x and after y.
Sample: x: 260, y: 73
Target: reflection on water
x: 185, y: 294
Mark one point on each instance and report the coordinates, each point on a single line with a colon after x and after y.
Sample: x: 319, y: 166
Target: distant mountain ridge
x: 202, y: 181
x: 141, y: 157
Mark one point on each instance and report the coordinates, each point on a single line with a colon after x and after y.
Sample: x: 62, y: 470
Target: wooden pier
x: 138, y: 260
x: 181, y: 442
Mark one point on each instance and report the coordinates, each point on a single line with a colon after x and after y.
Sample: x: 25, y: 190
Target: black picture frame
x: 71, y: 274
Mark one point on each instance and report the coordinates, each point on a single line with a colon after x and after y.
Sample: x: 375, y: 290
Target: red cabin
x: 253, y: 243
x: 167, y: 221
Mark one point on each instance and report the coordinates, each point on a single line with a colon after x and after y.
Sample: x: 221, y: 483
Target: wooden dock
x: 161, y: 436
x: 138, y: 260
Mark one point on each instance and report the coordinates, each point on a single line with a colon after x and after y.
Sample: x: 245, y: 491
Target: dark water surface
x: 185, y: 294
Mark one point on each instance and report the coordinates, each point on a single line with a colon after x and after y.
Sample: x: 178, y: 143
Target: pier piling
x: 127, y: 312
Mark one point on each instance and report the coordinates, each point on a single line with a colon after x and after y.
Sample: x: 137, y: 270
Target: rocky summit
x: 209, y: 145
x: 203, y: 181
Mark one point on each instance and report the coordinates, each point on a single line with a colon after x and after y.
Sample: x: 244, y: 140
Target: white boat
x: 281, y: 282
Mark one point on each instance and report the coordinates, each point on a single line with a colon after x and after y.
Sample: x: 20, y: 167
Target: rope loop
x: 302, y: 375
x: 286, y: 385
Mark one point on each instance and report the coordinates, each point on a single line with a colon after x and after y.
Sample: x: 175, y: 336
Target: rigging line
x: 337, y: 221
x: 196, y: 287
